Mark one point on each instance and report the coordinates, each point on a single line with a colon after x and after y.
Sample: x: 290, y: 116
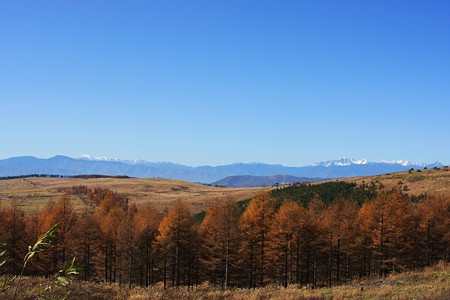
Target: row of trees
x: 320, y: 244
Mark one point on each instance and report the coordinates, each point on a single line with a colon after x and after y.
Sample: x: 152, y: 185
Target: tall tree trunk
x: 262, y: 259
x: 227, y: 260
x: 286, y: 263
x: 165, y: 273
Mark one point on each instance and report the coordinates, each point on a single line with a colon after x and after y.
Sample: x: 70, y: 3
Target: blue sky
x: 217, y: 82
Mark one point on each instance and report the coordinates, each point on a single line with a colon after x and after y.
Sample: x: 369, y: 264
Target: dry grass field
x: 430, y: 181
x: 429, y: 284
x: 35, y: 192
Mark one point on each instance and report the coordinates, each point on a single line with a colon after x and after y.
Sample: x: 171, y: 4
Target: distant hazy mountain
x: 345, y: 162
x: 249, y: 181
x: 62, y: 165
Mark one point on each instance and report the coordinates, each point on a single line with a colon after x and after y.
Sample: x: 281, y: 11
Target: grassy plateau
x: 35, y: 192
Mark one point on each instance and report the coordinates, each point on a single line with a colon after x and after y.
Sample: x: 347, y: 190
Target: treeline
x: 33, y: 175
x: 314, y: 243
x: 328, y: 192
x: 88, y: 176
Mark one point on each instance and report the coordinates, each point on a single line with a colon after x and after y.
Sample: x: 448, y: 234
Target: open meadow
x: 36, y: 192
x: 434, y: 182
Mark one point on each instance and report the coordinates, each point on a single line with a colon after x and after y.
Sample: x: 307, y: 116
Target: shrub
x: 12, y: 285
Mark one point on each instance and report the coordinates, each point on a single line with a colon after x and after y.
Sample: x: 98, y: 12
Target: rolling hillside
x: 35, y: 192
x: 250, y: 181
x: 435, y: 181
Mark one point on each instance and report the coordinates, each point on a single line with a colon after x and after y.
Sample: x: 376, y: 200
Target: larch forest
x: 310, y: 235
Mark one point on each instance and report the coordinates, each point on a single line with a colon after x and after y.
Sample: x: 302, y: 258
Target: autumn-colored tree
x: 175, y: 245
x: 312, y: 240
x: 109, y: 215
x: 32, y: 233
x: 146, y: 223
x: 434, y: 230
x: 63, y: 214
x: 127, y: 246
x: 102, y: 232
x: 255, y: 225
x: 285, y: 240
x: 220, y: 233
x: 338, y: 226
x: 384, y: 224
x: 12, y: 234
x: 97, y: 195
x: 88, y: 233
x: 33, y: 226
x: 337, y: 237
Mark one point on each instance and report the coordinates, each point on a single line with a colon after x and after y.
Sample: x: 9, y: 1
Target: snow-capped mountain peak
x: 342, y: 162
x: 345, y: 162
x: 401, y: 162
x: 407, y: 163
x: 125, y: 161
x: 90, y: 164
x: 111, y: 159
x: 99, y: 158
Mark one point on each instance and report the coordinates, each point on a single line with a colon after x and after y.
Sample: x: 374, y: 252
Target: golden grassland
x: 35, y: 192
x: 430, y: 181
x: 430, y: 283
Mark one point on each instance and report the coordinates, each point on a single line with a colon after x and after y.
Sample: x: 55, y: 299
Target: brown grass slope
x: 430, y: 181
x: 35, y: 192
x: 430, y: 283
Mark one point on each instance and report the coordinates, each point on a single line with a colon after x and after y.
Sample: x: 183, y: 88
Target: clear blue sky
x: 217, y: 82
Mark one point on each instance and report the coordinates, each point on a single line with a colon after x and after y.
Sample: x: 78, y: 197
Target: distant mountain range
x: 63, y: 165
x: 249, y: 180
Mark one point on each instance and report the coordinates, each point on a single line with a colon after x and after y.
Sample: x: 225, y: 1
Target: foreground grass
x: 430, y: 283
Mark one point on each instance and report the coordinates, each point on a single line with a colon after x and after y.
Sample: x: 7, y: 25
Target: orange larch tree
x: 313, y: 240
x: 176, y: 245
x: 255, y: 226
x: 384, y: 225
x: 63, y: 214
x: 109, y: 215
x: 285, y: 234
x: 88, y: 233
x: 146, y: 222
x: 220, y: 234
x: 12, y: 234
x: 338, y: 225
x: 434, y: 229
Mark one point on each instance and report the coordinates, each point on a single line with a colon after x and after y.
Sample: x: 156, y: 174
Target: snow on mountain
x: 396, y: 162
x: 404, y: 163
x: 111, y: 159
x: 90, y: 164
x: 342, y: 162
x: 130, y: 162
x: 408, y: 163
x: 98, y: 158
x: 345, y: 162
